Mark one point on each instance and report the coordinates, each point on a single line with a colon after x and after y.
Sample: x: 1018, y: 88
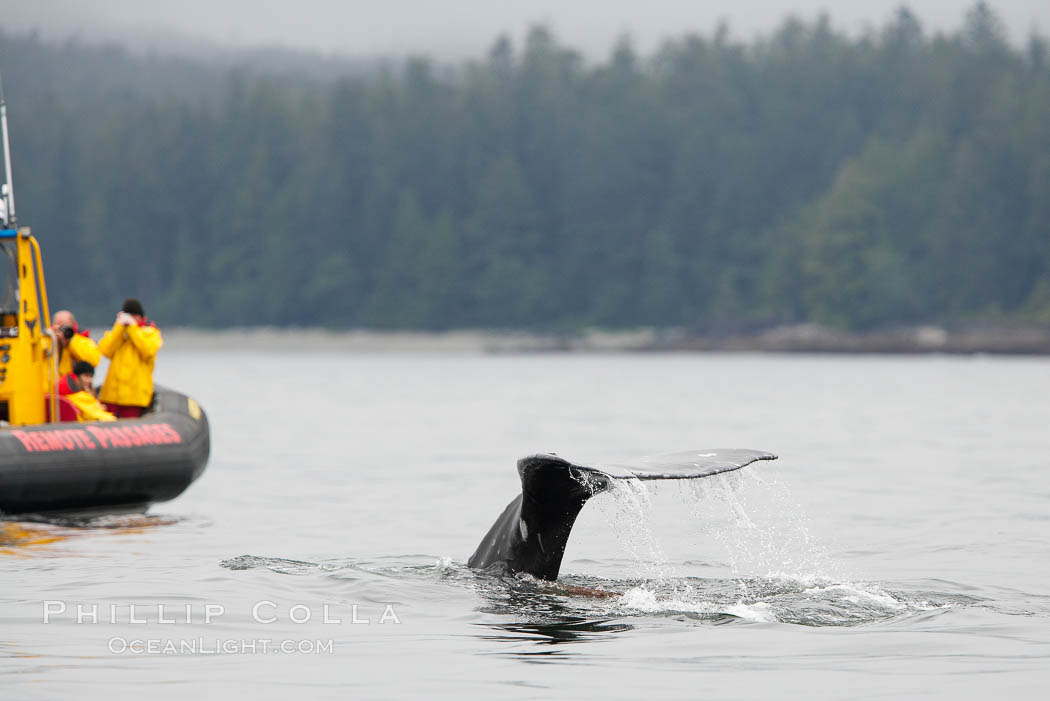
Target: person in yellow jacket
x: 131, y: 345
x: 77, y: 387
x: 74, y: 344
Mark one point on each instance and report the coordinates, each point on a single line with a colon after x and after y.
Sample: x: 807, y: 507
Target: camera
x: 67, y: 331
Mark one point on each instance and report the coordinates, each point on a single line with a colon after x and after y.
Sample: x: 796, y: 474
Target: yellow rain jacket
x: 79, y: 347
x: 89, y: 408
x: 132, y: 351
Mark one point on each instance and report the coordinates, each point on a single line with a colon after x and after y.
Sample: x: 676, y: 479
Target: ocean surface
x: 899, y: 548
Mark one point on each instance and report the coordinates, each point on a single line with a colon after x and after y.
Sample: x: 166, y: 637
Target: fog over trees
x: 895, y: 177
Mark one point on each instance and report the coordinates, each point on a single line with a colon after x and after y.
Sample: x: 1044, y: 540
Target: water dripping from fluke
x: 778, y: 572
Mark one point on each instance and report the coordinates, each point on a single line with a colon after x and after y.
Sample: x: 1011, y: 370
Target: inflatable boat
x: 51, y: 462
x: 104, y: 466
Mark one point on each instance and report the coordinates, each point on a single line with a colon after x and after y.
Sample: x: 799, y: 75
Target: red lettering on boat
x: 56, y: 439
x: 134, y: 436
x: 92, y: 437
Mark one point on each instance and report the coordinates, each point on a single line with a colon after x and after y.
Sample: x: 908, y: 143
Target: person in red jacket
x: 78, y: 387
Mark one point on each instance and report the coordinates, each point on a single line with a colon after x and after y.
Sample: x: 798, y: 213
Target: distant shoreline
x: 803, y: 338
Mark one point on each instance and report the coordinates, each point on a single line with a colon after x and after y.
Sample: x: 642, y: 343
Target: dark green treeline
x: 896, y: 177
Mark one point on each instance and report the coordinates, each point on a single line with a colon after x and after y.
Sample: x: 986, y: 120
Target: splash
x: 626, y: 511
x: 641, y: 599
x: 761, y: 528
x: 775, y: 569
x: 279, y: 565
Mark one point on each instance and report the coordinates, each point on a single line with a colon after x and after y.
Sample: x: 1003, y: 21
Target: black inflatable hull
x: 107, y: 466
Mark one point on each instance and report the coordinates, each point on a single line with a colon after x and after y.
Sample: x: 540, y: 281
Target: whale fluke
x: 532, y: 532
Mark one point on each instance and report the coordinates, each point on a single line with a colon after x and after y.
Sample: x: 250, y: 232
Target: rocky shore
x: 810, y: 338
x: 804, y: 338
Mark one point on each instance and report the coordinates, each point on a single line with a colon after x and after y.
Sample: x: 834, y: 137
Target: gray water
x: 898, y: 547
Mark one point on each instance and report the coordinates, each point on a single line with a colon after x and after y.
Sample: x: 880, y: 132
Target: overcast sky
x: 462, y: 28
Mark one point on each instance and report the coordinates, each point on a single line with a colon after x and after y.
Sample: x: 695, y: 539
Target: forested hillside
x: 896, y: 177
